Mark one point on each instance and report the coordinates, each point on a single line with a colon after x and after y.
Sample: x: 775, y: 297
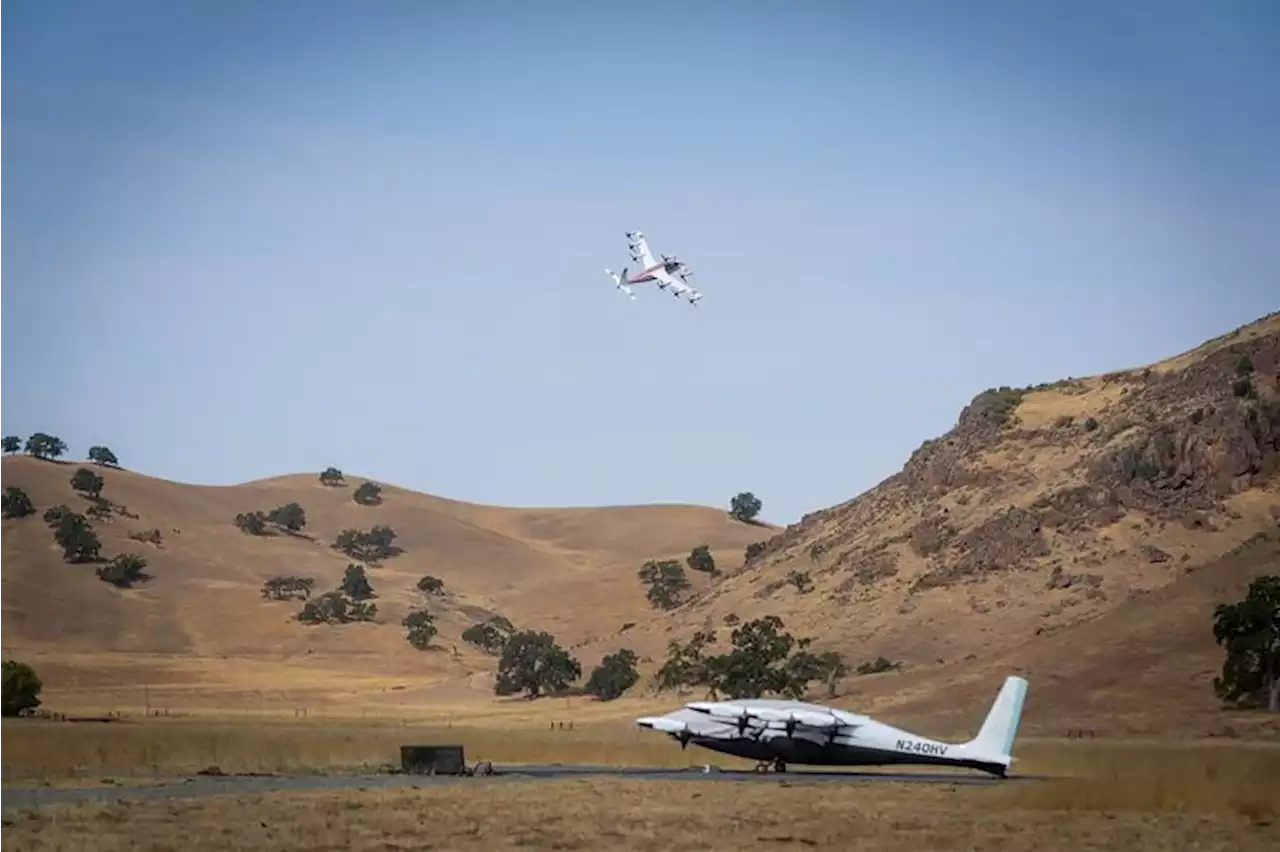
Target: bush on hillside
x: 44, y: 446
x: 290, y: 516
x: 429, y: 585
x: 490, y: 635
x: 1249, y: 633
x: 996, y: 405
x: 764, y: 659
x: 87, y: 482
x: 252, y: 523
x: 421, y: 628
x: 21, y: 689
x: 16, y: 503
x: 355, y: 583
x: 368, y: 494
x: 336, y: 608
x: 283, y: 588
x: 77, y: 538
x: 666, y: 582
x: 103, y: 456
x: 614, y: 676
x: 125, y: 570
x: 700, y: 559
x: 744, y: 507
x: 54, y: 514
x: 801, y: 580
x: 534, y: 664
x: 372, y: 546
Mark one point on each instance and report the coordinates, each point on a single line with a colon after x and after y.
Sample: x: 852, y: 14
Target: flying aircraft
x: 670, y: 273
x: 776, y: 732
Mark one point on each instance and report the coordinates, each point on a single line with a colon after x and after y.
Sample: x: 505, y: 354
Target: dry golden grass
x: 198, y: 640
x: 48, y: 750
x: 44, y: 751
x: 639, y: 815
x: 1142, y: 796
x: 201, y: 637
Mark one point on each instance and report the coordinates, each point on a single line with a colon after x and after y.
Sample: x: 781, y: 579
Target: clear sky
x: 251, y: 238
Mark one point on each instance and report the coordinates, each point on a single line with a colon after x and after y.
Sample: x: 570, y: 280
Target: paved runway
x: 195, y: 786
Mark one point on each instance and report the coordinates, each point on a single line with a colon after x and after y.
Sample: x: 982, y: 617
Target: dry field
x: 46, y: 751
x: 1101, y: 794
x: 1222, y: 772
x: 1134, y: 797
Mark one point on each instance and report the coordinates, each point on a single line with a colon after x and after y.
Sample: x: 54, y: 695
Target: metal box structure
x: 433, y: 760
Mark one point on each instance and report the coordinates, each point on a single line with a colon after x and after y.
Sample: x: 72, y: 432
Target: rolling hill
x: 1082, y: 529
x: 200, y: 634
x: 1079, y: 531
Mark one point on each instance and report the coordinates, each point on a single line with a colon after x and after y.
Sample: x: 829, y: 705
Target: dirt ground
x: 644, y: 815
x: 1136, y: 796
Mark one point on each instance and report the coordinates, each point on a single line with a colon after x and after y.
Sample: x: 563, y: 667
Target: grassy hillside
x: 1080, y: 531
x: 199, y: 632
x: 1038, y: 533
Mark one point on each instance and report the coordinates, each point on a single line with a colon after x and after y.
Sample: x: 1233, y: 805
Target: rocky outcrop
x: 1172, y: 444
x: 1175, y: 467
x: 869, y: 569
x: 1079, y: 507
x: 1007, y: 542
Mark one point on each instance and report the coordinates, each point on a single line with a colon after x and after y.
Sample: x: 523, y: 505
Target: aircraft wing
x: 670, y: 281
x: 639, y: 245
x: 658, y: 723
x: 677, y: 285
x: 770, y: 717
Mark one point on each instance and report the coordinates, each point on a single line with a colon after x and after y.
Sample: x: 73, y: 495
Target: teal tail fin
x: 994, y: 741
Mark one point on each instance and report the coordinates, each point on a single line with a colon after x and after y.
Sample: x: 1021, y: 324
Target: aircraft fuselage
x: 794, y: 750
x: 646, y: 274
x: 786, y: 731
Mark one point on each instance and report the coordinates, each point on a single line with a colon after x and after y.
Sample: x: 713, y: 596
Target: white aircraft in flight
x: 670, y: 273
x: 778, y: 732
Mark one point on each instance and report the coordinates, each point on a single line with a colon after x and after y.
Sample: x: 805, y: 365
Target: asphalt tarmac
x: 196, y: 786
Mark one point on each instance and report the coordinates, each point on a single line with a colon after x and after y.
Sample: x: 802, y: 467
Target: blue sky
x: 244, y: 239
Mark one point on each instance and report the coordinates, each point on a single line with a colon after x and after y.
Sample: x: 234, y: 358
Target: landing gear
x: 775, y: 765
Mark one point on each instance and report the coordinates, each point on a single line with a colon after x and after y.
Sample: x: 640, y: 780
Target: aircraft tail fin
x: 618, y: 279
x: 994, y: 741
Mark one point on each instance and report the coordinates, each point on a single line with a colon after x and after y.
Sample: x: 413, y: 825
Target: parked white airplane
x: 669, y: 273
x: 778, y: 732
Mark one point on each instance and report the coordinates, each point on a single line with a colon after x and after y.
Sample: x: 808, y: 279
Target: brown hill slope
x: 1042, y: 508
x: 202, y: 625
x: 1143, y: 668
